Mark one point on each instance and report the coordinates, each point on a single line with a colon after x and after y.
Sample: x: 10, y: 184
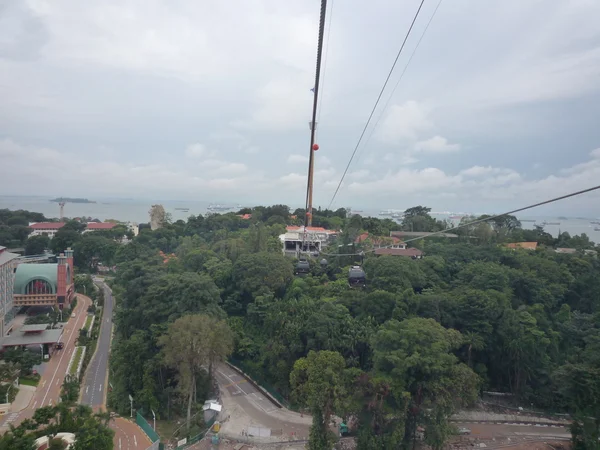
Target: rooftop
x: 100, y: 226
x: 19, y: 338
x: 569, y: 251
x: 29, y: 272
x: 378, y: 239
x: 46, y: 225
x: 6, y: 256
x: 34, y: 327
x: 313, y: 229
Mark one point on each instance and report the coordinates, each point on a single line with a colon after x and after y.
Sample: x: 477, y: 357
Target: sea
x: 137, y: 210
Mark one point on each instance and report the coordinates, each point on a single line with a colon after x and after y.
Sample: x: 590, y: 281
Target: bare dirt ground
x: 551, y: 445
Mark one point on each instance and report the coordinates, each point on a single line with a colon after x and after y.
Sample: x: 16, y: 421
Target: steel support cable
x: 314, y: 112
x: 475, y: 222
x: 320, y: 108
x: 377, y: 102
x: 400, y: 79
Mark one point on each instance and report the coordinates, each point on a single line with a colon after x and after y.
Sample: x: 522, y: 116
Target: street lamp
x: 153, y: 418
x: 131, y: 402
x: 7, y: 391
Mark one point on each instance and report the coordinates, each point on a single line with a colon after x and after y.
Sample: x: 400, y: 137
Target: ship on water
x: 182, y: 209
x: 215, y: 207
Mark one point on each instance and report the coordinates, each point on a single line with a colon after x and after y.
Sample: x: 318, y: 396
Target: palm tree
x: 9, y: 371
x: 104, y: 417
x: 474, y: 342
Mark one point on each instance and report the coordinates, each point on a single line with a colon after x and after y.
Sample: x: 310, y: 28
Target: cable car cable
x: 400, y: 79
x: 376, y: 103
x: 320, y: 107
x: 486, y: 219
x: 309, y: 183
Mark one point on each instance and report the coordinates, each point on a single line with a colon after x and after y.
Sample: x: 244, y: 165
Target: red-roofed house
x: 388, y: 246
x: 47, y: 228
x: 98, y: 226
x: 380, y: 241
x: 50, y: 228
x: 245, y: 216
x: 305, y: 239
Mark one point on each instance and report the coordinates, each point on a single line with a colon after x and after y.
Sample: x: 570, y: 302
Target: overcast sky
x: 210, y: 100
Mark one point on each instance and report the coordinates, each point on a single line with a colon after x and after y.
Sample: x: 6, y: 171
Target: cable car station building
x: 305, y: 240
x: 45, y: 284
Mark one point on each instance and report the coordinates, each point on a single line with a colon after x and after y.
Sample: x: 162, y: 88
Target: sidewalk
x: 23, y: 398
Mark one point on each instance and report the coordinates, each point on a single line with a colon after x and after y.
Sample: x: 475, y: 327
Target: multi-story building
x: 8, y: 263
x: 47, y: 228
x: 51, y: 228
x: 45, y: 284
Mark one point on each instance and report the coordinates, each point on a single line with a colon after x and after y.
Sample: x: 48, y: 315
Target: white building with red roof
x: 99, y: 226
x: 51, y: 228
x: 299, y: 239
x: 47, y: 228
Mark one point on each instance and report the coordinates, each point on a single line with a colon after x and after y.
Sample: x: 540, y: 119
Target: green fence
x: 260, y: 381
x: 199, y: 436
x: 146, y: 427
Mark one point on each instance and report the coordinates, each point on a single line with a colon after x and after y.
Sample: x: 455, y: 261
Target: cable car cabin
x: 357, y: 277
x: 302, y: 268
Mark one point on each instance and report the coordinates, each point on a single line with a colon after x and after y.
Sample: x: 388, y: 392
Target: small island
x: 71, y: 200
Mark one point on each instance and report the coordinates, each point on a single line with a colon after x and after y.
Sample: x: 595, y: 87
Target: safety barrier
x: 199, y: 436
x: 258, y: 382
x: 149, y: 431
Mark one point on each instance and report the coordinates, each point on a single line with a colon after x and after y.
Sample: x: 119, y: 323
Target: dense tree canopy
x: 418, y: 343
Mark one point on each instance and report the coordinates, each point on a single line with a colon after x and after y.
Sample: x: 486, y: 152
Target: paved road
x: 128, y: 436
x: 246, y: 406
x: 48, y: 390
x: 491, y: 430
x: 94, y: 386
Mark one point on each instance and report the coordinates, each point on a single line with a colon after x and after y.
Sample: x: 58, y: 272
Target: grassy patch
x: 12, y: 392
x: 88, y: 321
x: 166, y: 428
x: 76, y: 358
x: 30, y: 380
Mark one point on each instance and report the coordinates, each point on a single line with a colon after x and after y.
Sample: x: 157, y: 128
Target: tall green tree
x: 190, y: 344
x: 319, y: 383
x: 415, y: 357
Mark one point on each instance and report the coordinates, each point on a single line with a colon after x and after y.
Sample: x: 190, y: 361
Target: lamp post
x: 131, y: 402
x: 7, y: 391
x: 153, y: 419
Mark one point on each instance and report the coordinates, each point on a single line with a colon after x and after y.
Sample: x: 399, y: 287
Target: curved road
x: 247, y: 407
x: 94, y: 386
x: 128, y: 436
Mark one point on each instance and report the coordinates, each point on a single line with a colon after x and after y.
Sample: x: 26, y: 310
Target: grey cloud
x: 132, y: 84
x: 22, y: 33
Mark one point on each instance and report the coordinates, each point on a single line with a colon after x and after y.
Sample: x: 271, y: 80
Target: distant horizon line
x: 150, y: 201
